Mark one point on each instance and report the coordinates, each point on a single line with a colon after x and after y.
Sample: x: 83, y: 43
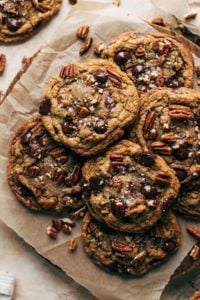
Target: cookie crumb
x: 72, y: 245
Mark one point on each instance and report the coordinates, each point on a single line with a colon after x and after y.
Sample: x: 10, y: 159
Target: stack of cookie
x: 121, y: 135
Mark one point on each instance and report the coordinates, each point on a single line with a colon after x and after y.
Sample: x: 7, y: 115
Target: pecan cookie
x: 131, y: 254
x: 42, y: 174
x: 127, y: 188
x: 88, y: 105
x: 152, y: 60
x: 169, y: 126
x: 20, y: 18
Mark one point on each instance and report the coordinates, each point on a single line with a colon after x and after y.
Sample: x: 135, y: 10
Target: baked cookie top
x: 19, y: 18
x: 127, y: 188
x: 152, y: 60
x: 88, y: 105
x: 131, y: 254
x: 169, y: 125
x: 42, y: 174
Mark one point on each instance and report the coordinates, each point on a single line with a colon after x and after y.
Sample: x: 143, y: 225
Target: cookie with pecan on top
x: 169, y: 125
x: 131, y: 254
x: 88, y: 105
x: 152, y: 60
x: 20, y: 18
x: 43, y: 175
x: 127, y: 188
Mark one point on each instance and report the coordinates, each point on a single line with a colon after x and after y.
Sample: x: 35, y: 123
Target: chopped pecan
x: 82, y: 111
x: 75, y: 175
x: 114, y: 78
x: 2, y: 62
x: 58, y: 176
x: 135, y: 211
x: 149, y: 122
x: 72, y: 244
x: 46, y: 203
x: 194, y: 232
x: 118, y: 208
x: 98, y: 48
x: 160, y: 81
x: 117, y: 163
x: 33, y: 171
x: 140, y: 51
x: 57, y: 152
x: 177, y: 111
x: 43, y: 7
x: 158, y: 21
x: 161, y: 148
x: 139, y: 258
x: 158, y: 230
x: 57, y: 224
x: 52, y: 232
x: 162, y: 179
x: 91, y: 228
x: 86, y: 45
x: 116, y: 157
x: 195, y: 252
x: 68, y: 71
x: 68, y: 221
x: 168, y: 137
x: 121, y: 248
x: 82, y: 31
x: 66, y: 228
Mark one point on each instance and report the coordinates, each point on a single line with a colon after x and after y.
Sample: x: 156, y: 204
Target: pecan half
x: 98, y: 48
x: 121, y: 248
x: 168, y: 137
x: 177, y: 111
x: 114, y: 78
x: 82, y: 31
x: 2, y: 62
x: 162, y: 179
x: 86, y: 45
x: 82, y: 111
x: 161, y: 148
x: 118, y: 208
x: 149, y: 122
x: 68, y: 71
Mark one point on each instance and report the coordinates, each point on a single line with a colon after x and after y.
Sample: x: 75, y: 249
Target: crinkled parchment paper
x: 20, y: 105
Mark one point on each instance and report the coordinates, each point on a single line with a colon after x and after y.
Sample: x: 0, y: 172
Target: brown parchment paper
x: 21, y: 104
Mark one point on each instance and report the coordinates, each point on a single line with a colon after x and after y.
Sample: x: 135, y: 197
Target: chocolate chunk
x: 118, y: 208
x: 96, y: 183
x: 14, y: 24
x: 138, y: 69
x: 45, y: 107
x: 145, y: 159
x: 149, y: 191
x: 181, y: 174
x: 121, y: 57
x: 100, y: 126
x: 175, y: 84
x: 67, y: 125
x: 169, y: 246
x: 26, y: 138
x: 100, y: 76
x: 182, y: 152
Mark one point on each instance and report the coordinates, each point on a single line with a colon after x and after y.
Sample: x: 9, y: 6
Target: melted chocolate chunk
x: 68, y: 126
x: 118, y: 208
x: 181, y: 174
x: 100, y: 76
x: 182, y: 152
x: 26, y: 138
x: 138, y: 69
x: 100, y: 126
x: 96, y: 184
x: 149, y: 191
x: 121, y: 57
x: 169, y: 246
x: 45, y: 107
x: 175, y: 84
x: 145, y: 159
x: 14, y: 24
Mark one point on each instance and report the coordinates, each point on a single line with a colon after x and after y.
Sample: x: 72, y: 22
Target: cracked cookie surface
x: 169, y: 125
x: 127, y: 188
x: 20, y: 18
x: 42, y: 174
x: 131, y: 254
x: 88, y: 106
x: 152, y: 60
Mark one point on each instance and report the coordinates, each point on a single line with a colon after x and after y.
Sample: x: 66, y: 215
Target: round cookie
x: 42, y: 174
x: 152, y: 60
x: 88, y: 105
x: 127, y: 188
x: 20, y: 18
x: 131, y: 254
x: 169, y: 125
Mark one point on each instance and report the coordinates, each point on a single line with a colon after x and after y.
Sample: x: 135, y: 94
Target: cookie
x: 152, y: 60
x: 88, y: 106
x: 131, y: 254
x: 42, y: 174
x: 20, y: 18
x: 195, y: 296
x: 127, y: 188
x: 169, y: 125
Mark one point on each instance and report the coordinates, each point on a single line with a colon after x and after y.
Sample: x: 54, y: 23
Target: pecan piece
x: 47, y: 203
x: 2, y: 62
x: 198, y: 70
x: 68, y: 71
x: 116, y: 157
x: 190, y: 16
x: 91, y: 228
x: 195, y: 252
x: 98, y: 48
x: 114, y: 78
x: 57, y: 152
x: 82, y: 111
x: 168, y: 137
x: 66, y: 228
x: 158, y: 21
x: 75, y: 175
x: 43, y: 7
x: 86, y: 45
x: 118, y: 208
x: 177, y: 111
x: 72, y: 244
x: 52, y: 232
x: 121, y: 248
x: 82, y: 31
x: 149, y: 122
x: 140, y: 51
x: 194, y: 232
x: 162, y: 179
x: 57, y: 224
x: 160, y: 81
x: 72, y: 2
x: 161, y: 148
x: 34, y: 171
x: 139, y: 258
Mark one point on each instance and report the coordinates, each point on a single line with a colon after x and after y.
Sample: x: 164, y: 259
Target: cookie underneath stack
x: 131, y: 160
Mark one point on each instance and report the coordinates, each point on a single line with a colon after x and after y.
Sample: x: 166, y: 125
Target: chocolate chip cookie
x: 131, y: 254
x: 152, y: 60
x: 20, y: 18
x: 88, y: 105
x: 127, y: 188
x: 169, y: 125
x: 42, y: 174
